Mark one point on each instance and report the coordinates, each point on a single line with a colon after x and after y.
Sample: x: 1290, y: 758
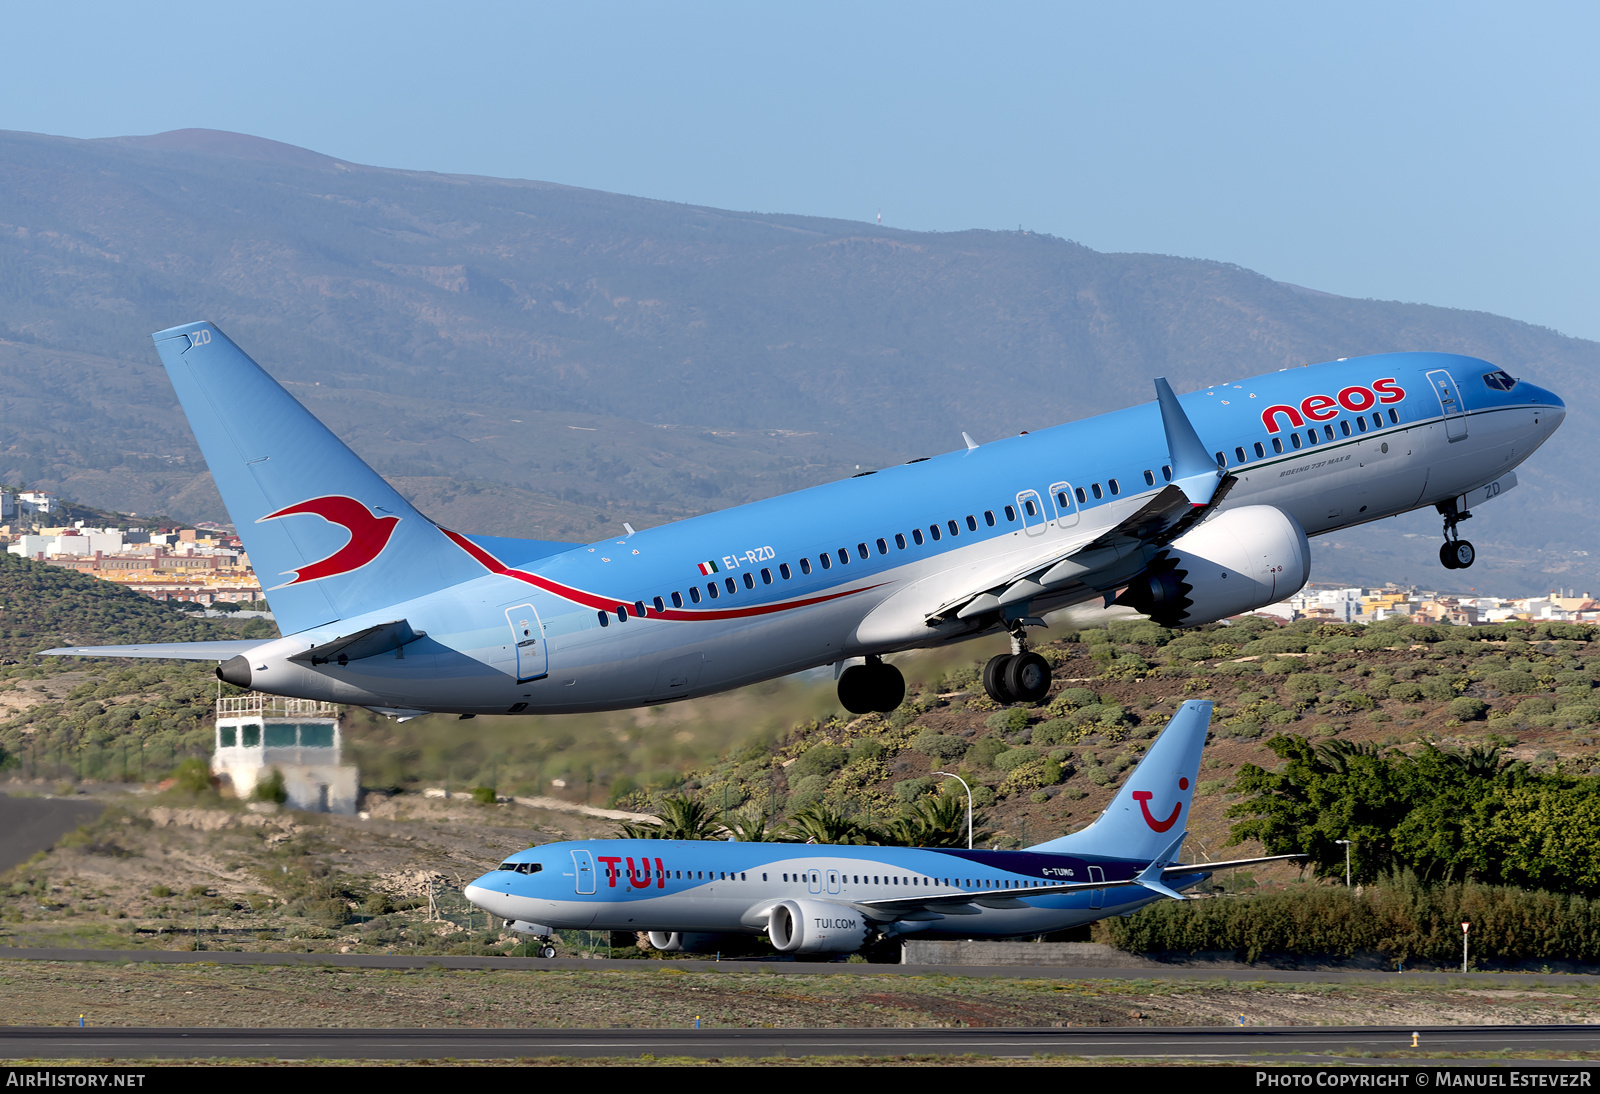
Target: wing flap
x: 382, y: 638
x: 176, y: 651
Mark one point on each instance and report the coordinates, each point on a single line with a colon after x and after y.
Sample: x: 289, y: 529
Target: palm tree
x: 821, y: 823
x: 934, y: 820
x: 750, y: 826
x: 681, y: 817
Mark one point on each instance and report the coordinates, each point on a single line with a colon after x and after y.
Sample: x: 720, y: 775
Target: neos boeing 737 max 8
x: 810, y: 898
x: 1189, y: 509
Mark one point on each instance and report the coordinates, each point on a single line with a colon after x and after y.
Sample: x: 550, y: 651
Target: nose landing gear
x: 874, y: 686
x: 1455, y: 553
x: 1020, y: 676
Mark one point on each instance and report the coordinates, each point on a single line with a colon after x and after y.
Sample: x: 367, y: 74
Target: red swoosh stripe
x: 606, y: 604
x: 1143, y: 797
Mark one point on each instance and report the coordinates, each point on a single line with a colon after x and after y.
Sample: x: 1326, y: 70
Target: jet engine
x: 685, y: 942
x: 1239, y: 560
x: 812, y: 926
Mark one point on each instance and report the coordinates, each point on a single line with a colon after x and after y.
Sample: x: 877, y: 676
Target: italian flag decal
x: 708, y: 568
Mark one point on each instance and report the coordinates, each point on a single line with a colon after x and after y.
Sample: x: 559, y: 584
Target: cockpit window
x: 522, y: 867
x: 1499, y: 380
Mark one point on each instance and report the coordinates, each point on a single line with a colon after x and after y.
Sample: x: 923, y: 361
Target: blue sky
x: 1442, y: 153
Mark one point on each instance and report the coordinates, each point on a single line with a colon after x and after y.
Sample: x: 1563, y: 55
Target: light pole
x: 963, y: 782
x: 1347, y: 844
x: 1465, y: 926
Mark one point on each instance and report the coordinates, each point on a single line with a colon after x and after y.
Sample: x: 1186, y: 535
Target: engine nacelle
x: 813, y: 926
x: 1237, y: 561
x: 685, y: 942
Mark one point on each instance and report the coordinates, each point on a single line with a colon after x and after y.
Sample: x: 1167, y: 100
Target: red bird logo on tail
x: 369, y: 535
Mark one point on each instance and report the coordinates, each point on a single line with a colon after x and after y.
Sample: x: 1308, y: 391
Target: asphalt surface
x: 31, y: 825
x: 798, y: 968
x: 1215, y: 1044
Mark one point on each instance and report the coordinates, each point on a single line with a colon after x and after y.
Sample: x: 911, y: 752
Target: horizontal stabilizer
x: 176, y: 651
x: 383, y: 638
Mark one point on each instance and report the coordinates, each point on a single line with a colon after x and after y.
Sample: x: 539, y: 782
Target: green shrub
x: 193, y: 775
x: 271, y: 788
x: 1467, y: 709
x: 941, y: 746
x: 484, y: 795
x: 984, y: 750
x: 1008, y: 721
x: 822, y: 758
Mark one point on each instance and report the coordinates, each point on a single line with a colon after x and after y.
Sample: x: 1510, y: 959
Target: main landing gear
x: 875, y: 686
x: 1455, y: 553
x: 1017, y: 677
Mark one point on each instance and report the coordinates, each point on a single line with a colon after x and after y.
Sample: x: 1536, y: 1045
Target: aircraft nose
x: 496, y: 902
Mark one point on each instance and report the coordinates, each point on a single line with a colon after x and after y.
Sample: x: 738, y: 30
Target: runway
x: 800, y: 968
x: 1200, y: 1044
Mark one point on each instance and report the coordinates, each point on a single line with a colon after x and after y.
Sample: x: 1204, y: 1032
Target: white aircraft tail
x: 1149, y: 815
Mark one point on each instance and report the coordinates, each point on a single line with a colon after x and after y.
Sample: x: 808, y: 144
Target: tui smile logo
x: 1143, y: 798
x: 369, y: 535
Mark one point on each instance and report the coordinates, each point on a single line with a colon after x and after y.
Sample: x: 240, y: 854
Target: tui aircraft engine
x: 1237, y: 561
x: 813, y: 926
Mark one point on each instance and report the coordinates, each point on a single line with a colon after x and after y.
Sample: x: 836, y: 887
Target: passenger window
x: 732, y: 588
x: 605, y: 620
x: 933, y: 530
x: 1166, y: 473
x: 1032, y: 509
x: 1259, y: 450
x: 916, y: 536
x: 955, y: 529
x: 1377, y: 421
x: 677, y: 599
x: 827, y: 563
x: 638, y: 609
x: 783, y: 570
x: 1150, y: 476
x: 766, y: 576
x: 1394, y: 416
x: 1115, y: 489
x: 1361, y: 424
x: 805, y: 565
x: 844, y: 556
x: 883, y: 548
x: 972, y: 523
x: 1094, y: 488
x: 749, y: 580
x: 988, y: 517
x: 1294, y: 439
x: 1239, y: 453
x: 1011, y: 514
x: 1311, y: 435
x: 1082, y: 497
x: 1062, y: 499
x: 900, y: 541
x: 1277, y: 444
x: 712, y: 589
x: 622, y: 613
x: 861, y: 549
x: 1344, y: 426
x: 1327, y: 431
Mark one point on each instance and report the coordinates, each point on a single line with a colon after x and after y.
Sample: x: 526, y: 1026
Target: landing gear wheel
x: 856, y: 690
x: 547, y: 952
x: 1462, y: 555
x: 889, y: 688
x: 1028, y: 677
x: 873, y: 687
x: 1447, y: 557
x: 994, y: 679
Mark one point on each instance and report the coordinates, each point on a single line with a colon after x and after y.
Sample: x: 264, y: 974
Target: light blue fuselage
x: 575, y: 610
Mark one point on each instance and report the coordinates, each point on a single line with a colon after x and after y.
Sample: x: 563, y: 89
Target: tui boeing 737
x: 809, y: 898
x: 1188, y: 509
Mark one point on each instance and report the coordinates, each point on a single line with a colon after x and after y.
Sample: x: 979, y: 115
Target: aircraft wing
x: 1075, y: 570
x: 177, y: 651
x: 969, y: 903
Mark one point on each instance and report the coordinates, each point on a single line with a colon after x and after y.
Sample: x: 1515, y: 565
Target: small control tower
x: 299, y: 738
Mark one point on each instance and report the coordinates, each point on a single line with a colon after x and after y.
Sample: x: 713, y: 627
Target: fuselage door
x: 1097, y: 897
x: 814, y: 881
x: 1066, y: 505
x: 1455, y: 417
x: 527, y: 639
x: 583, y: 872
x: 1032, y: 510
x: 833, y: 881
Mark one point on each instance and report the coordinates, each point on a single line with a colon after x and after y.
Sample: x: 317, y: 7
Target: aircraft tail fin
x: 1151, y: 810
x: 326, y: 535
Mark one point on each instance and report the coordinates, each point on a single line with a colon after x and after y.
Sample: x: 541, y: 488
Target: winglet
x: 1150, y: 876
x: 1194, y: 470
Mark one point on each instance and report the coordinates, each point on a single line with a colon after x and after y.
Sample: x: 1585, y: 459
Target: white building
x: 297, y: 738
